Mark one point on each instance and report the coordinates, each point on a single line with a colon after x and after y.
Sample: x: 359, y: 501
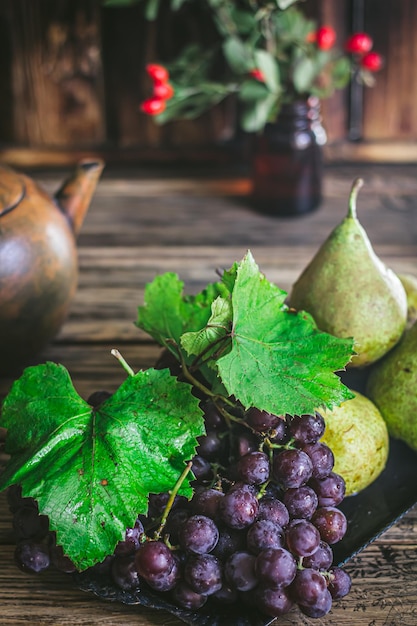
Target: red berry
x: 257, y: 74
x: 158, y: 73
x: 359, y: 43
x: 153, y: 106
x: 325, y: 37
x: 371, y: 62
x: 163, y: 91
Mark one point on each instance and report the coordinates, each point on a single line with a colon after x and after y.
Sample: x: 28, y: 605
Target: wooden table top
x: 142, y: 223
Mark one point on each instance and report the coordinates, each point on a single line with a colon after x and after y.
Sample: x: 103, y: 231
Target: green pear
x: 351, y: 293
x: 392, y: 386
x: 409, y: 282
x: 358, y: 437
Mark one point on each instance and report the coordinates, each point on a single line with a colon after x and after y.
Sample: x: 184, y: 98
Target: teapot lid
x: 12, y: 189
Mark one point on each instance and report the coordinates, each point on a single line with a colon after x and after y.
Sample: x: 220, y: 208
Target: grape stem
x: 122, y: 361
x: 171, y: 499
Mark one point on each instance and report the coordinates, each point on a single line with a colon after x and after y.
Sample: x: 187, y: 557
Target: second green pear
x: 392, y: 387
x: 350, y: 292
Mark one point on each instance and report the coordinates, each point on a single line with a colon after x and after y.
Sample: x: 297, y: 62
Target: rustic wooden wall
x: 57, y: 74
x: 72, y: 77
x: 390, y: 111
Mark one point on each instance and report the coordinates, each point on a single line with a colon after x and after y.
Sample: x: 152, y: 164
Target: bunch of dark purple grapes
x: 259, y: 529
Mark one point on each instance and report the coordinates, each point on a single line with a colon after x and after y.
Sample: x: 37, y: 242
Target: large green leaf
x: 279, y: 362
x: 91, y: 471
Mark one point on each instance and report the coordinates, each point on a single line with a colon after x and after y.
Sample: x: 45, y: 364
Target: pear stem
x: 357, y: 184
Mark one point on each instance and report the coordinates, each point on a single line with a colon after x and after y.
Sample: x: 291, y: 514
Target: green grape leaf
x: 207, y: 339
x: 92, y: 470
x: 279, y: 362
x: 168, y: 313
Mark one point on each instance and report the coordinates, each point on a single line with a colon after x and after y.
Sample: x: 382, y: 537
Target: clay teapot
x: 38, y: 258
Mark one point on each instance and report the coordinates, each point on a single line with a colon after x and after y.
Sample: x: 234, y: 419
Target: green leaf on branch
x: 257, y: 113
x: 279, y: 362
x: 168, y: 313
x: 269, y: 67
x: 218, y: 326
x: 305, y: 72
x: 252, y: 89
x: 237, y: 55
x: 92, y: 470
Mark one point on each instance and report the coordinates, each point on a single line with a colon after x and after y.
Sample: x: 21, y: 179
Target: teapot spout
x: 75, y: 194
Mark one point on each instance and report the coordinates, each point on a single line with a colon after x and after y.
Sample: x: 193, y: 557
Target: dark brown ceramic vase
x: 287, y: 161
x: 38, y: 259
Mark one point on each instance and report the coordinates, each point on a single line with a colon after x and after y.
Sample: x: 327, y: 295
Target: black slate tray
x: 369, y: 514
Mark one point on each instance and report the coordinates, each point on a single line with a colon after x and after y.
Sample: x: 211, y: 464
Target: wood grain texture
x: 56, y: 73
x: 389, y: 108
x: 142, y: 223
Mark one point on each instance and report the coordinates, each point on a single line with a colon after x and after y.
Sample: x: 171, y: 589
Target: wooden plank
x: 57, y: 72
x: 389, y: 107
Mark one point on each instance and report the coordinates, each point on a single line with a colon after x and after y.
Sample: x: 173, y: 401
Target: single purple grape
x: 153, y: 557
x: 274, y: 510
x: 253, y: 468
x: 321, y: 457
x: 32, y: 557
x: 302, y: 537
x: 273, y: 602
x: 239, y: 507
x: 275, y: 567
x: 321, y: 608
x: 264, y: 534
x: 244, y: 442
x: 261, y: 421
x: 340, y: 583
x: 206, y: 502
x: 124, y: 573
x: 203, y: 573
x: 292, y: 468
x: 308, y: 586
x: 201, y: 468
x: 209, y: 445
x: 166, y: 580
x: 307, y: 428
x: 280, y: 433
x: 199, y: 535
x: 239, y: 571
x: 301, y: 502
x: 187, y: 598
x: 212, y: 418
x: 330, y: 490
x: 331, y: 524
